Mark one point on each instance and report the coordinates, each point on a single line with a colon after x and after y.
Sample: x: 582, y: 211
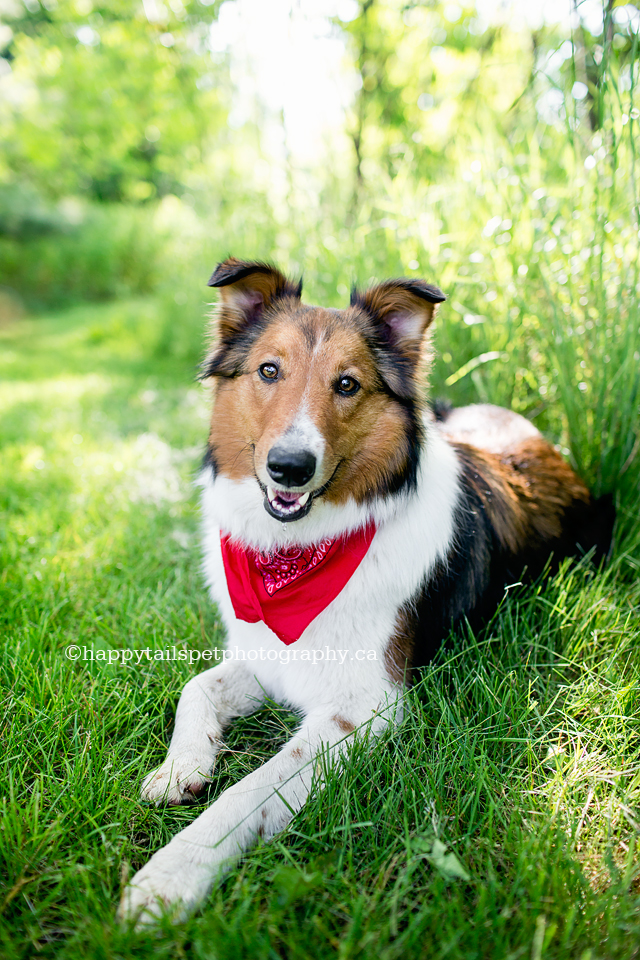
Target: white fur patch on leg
x: 179, y: 876
x: 209, y: 700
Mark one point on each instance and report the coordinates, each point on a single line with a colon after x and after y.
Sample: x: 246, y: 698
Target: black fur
x: 397, y: 380
x: 209, y: 460
x: 229, y: 358
x: 455, y: 587
x: 441, y: 409
x: 404, y: 480
x: 471, y: 583
x: 396, y: 365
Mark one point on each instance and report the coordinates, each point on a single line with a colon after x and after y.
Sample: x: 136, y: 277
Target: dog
x: 347, y: 526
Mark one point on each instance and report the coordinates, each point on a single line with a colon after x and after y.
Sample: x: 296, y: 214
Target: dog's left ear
x: 402, y: 311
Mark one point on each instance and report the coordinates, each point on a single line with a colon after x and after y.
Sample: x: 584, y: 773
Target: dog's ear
x: 402, y: 310
x: 246, y: 290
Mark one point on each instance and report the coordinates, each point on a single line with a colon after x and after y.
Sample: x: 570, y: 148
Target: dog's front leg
x: 208, y: 701
x: 179, y: 876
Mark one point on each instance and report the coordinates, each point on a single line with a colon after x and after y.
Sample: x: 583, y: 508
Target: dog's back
x: 522, y: 509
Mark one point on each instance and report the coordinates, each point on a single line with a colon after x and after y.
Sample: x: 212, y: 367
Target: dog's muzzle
x: 289, y: 468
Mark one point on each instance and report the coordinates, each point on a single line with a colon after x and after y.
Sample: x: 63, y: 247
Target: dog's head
x: 315, y: 402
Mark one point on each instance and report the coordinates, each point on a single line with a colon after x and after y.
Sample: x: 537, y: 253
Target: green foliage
x: 83, y: 253
x: 109, y: 101
x: 434, y: 87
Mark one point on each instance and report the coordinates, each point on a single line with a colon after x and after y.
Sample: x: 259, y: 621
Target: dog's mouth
x: 286, y: 505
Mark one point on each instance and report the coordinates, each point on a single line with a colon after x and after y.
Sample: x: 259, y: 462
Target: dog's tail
x: 591, y: 527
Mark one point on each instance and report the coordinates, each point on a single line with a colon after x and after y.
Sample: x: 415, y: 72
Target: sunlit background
x: 490, y: 147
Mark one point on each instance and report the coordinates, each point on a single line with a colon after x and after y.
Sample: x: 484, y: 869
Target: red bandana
x: 288, y: 589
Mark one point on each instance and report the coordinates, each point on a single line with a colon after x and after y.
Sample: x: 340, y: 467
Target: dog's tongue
x: 288, y: 496
x: 286, y: 502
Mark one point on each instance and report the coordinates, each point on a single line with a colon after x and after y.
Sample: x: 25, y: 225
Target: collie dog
x: 347, y: 526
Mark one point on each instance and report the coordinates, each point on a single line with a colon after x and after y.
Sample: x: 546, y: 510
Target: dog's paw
x: 166, y: 886
x: 178, y: 780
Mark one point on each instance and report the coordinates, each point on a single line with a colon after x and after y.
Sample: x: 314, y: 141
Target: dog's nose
x: 290, y: 468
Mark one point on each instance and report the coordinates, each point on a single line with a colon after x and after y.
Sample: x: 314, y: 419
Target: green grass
x: 500, y: 819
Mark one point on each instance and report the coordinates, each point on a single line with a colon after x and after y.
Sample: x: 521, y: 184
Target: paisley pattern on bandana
x: 287, y: 589
x: 283, y: 567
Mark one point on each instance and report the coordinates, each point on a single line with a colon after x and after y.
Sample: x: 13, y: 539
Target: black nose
x: 290, y: 468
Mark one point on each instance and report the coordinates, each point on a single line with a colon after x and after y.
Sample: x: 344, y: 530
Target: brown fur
x: 345, y: 725
x: 524, y: 492
x: 399, y: 650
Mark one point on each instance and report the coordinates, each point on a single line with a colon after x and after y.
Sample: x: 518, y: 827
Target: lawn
x: 500, y: 819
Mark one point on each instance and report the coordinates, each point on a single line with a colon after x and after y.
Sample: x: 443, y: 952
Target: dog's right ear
x: 246, y: 290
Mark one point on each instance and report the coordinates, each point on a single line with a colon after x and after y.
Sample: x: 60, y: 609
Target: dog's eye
x: 268, y: 371
x: 347, y: 386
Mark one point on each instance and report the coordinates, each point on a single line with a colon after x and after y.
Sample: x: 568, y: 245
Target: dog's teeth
x: 283, y: 506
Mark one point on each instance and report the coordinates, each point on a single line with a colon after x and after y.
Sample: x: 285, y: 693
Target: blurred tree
x: 437, y: 81
x: 114, y: 100
x: 424, y: 82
